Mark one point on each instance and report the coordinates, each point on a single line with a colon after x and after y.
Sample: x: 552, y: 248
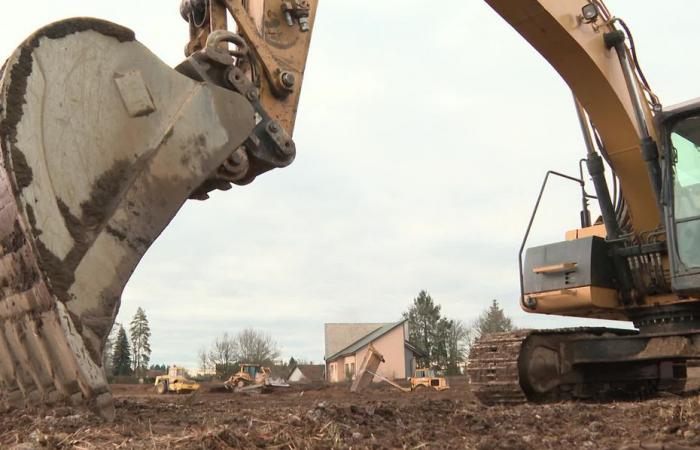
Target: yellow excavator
x: 102, y: 144
x: 641, y: 263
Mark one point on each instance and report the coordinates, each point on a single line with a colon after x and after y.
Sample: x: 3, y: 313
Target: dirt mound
x: 331, y: 417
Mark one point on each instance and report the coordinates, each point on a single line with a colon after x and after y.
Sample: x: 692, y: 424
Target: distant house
x: 346, y: 346
x: 279, y: 371
x: 307, y: 373
x: 199, y: 372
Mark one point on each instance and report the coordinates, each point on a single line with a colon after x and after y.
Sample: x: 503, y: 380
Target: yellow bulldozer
x: 252, y: 377
x: 426, y: 378
x: 175, y: 381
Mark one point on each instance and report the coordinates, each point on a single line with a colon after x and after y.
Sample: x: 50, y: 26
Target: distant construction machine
x: 423, y: 378
x: 253, y: 377
x: 175, y: 381
x: 427, y: 378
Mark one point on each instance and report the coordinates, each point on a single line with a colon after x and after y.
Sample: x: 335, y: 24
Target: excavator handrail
x: 532, y: 219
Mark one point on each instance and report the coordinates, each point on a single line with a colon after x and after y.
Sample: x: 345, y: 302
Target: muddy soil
x: 321, y: 417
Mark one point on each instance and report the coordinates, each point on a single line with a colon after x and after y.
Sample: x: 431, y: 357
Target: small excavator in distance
x: 642, y: 263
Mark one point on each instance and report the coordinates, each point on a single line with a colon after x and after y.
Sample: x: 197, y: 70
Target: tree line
x: 446, y: 341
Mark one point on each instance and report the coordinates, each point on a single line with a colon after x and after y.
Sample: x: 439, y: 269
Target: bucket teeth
x: 101, y: 145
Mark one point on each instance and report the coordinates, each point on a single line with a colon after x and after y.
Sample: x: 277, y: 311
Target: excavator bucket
x: 101, y: 143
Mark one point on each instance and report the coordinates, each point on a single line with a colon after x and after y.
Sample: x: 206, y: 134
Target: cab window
x: 685, y: 141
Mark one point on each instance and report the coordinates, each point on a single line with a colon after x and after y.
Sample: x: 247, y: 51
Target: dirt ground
x: 323, y: 417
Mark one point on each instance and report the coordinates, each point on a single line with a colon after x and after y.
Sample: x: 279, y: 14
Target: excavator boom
x: 576, y: 49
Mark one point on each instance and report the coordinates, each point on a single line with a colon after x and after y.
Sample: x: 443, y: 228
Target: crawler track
x: 537, y: 365
x: 493, y: 368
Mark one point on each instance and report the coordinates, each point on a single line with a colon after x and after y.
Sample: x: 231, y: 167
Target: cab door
x: 681, y: 196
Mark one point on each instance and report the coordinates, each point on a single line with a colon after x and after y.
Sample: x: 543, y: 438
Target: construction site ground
x: 321, y: 417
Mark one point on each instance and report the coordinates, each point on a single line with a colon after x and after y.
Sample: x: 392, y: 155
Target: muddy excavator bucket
x: 101, y: 143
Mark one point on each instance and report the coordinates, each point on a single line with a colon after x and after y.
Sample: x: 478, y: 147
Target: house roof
x: 366, y: 340
x: 314, y: 372
x: 278, y: 371
x: 416, y: 350
x: 340, y: 335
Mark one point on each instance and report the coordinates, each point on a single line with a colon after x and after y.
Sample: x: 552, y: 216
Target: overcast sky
x: 423, y: 136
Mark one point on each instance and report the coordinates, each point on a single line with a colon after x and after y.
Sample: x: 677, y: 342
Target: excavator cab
x: 424, y: 373
x: 681, y: 144
x: 252, y: 370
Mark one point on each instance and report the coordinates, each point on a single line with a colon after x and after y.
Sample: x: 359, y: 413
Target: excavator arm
x: 576, y: 47
x: 102, y: 144
x: 267, y: 67
x: 591, y: 50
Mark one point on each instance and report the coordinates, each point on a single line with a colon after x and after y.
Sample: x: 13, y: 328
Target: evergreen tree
x: 292, y: 362
x: 140, y: 345
x: 108, y: 350
x: 121, y: 355
x: 423, y: 319
x: 493, y: 320
x: 158, y: 367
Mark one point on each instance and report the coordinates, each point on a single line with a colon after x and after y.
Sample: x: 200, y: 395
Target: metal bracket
x: 269, y: 146
x: 297, y: 11
x: 282, y: 79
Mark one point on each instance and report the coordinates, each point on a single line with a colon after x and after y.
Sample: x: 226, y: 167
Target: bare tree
x: 256, y: 347
x: 456, y: 336
x: 249, y: 346
x: 222, y: 356
x: 203, y: 358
